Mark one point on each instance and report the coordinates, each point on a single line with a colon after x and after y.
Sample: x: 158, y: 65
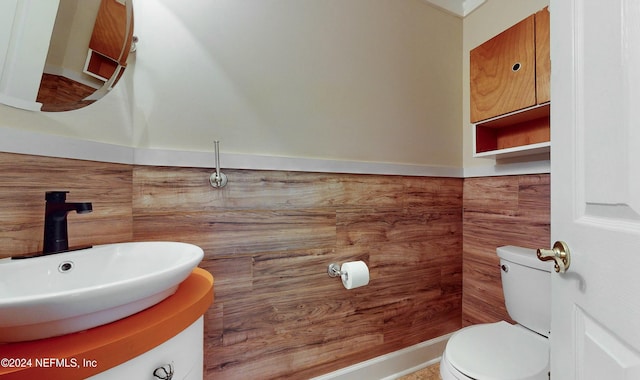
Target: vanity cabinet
x: 163, y: 339
x: 179, y: 358
x: 510, y: 90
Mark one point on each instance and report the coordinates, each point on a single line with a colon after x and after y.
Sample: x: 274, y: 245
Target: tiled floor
x: 429, y: 373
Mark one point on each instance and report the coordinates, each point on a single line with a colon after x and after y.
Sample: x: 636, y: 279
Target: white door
x: 595, y: 187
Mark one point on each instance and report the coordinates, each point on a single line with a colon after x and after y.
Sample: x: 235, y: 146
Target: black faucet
x: 56, y: 238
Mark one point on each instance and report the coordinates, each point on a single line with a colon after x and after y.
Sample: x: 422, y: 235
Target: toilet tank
x: 526, y: 284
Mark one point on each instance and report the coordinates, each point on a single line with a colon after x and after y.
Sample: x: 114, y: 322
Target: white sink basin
x: 63, y: 293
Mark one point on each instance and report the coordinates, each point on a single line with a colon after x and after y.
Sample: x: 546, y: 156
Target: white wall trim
x: 14, y: 140
x: 395, y: 364
x: 520, y: 168
x: 160, y: 157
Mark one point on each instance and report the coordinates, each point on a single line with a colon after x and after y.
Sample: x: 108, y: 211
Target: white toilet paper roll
x: 355, y: 274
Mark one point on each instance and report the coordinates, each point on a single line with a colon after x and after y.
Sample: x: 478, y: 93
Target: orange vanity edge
x: 73, y: 356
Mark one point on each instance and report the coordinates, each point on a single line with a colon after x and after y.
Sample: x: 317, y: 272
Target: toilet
x: 501, y: 350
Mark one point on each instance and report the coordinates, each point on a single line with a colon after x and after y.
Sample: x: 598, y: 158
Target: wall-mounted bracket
x: 218, y: 179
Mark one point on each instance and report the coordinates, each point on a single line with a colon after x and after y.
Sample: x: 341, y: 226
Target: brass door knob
x: 559, y: 253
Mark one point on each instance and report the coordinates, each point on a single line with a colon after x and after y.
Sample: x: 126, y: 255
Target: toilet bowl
x: 501, y: 350
x: 495, y: 351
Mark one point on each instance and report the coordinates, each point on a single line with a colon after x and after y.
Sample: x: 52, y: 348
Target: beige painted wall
x: 362, y: 80
x: 487, y: 21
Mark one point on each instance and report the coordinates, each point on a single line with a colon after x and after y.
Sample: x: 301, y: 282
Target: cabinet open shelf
x: 99, y: 65
x: 519, y: 133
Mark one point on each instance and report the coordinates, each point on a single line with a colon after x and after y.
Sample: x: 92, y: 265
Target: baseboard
x: 395, y: 364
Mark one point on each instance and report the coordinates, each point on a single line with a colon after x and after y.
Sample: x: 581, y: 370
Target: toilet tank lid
x: 523, y: 256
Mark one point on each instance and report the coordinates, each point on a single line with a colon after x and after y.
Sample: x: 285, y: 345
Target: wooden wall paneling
x: 432, y: 269
x: 187, y: 189
x: 438, y: 193
x: 268, y: 238
x: 230, y: 233
x: 491, y: 195
x: 513, y: 210
x: 534, y: 200
x: 25, y: 179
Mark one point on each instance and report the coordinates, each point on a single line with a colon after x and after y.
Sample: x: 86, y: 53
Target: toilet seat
x: 447, y: 372
x: 498, y: 351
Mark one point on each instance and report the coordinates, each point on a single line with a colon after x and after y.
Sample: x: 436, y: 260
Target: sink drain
x: 65, y: 266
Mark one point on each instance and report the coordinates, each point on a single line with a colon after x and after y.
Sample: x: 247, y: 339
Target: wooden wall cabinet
x: 107, y: 54
x: 510, y: 96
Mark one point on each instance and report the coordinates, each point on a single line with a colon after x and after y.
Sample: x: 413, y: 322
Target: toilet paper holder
x: 334, y: 270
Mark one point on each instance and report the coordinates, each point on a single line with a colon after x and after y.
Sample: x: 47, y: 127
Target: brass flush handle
x: 559, y: 253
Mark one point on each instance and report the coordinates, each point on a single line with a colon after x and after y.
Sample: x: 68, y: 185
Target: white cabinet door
x: 595, y: 182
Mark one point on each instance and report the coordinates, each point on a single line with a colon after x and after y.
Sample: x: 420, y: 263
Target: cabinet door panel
x: 108, y: 36
x: 543, y: 58
x: 498, y: 86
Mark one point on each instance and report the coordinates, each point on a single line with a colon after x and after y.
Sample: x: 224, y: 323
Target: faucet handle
x: 56, y: 196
